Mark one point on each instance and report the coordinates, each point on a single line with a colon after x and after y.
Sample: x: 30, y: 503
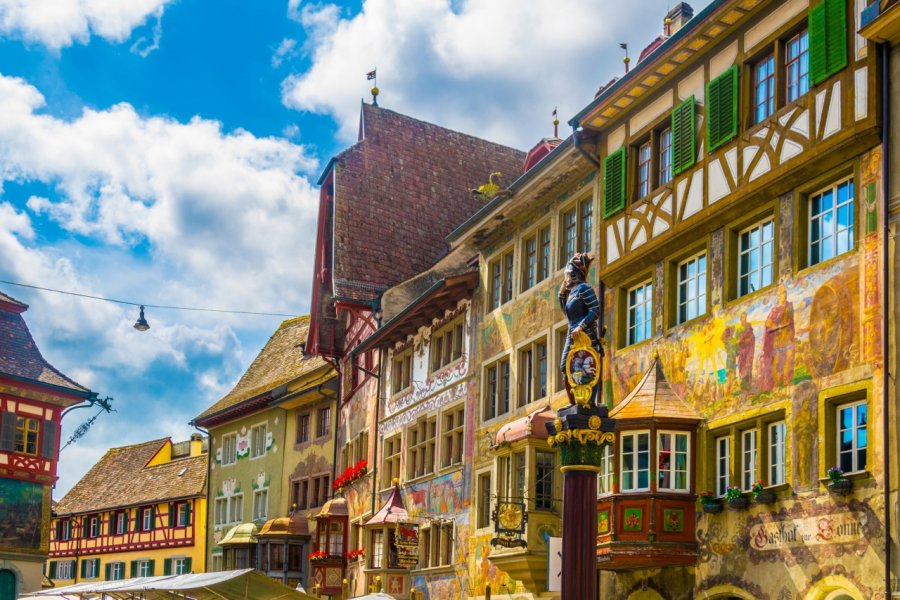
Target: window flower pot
x: 712, y: 507
x: 841, y: 487
x: 765, y: 497
x: 739, y: 503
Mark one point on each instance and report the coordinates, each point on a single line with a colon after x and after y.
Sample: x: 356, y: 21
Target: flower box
x: 840, y: 486
x: 740, y: 503
x: 712, y: 506
x: 764, y: 497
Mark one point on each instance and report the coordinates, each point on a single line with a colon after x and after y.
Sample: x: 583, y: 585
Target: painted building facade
x: 733, y: 180
x: 139, y: 512
x: 33, y: 396
x: 271, y: 459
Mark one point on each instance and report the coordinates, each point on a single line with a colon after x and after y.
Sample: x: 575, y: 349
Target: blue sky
x: 166, y: 152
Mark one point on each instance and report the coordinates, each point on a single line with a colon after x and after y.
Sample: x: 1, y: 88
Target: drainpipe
x: 885, y: 345
x: 381, y: 353
x: 209, y: 456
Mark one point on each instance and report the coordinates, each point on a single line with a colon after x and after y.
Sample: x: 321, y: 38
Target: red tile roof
x: 399, y: 191
x: 20, y: 356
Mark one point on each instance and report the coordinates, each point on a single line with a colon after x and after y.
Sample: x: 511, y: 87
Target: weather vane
x: 371, y: 76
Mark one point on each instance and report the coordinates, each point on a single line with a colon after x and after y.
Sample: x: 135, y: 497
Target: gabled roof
x: 393, y: 511
x: 281, y: 361
x: 404, y: 186
x: 653, y: 397
x: 20, y: 357
x: 122, y: 478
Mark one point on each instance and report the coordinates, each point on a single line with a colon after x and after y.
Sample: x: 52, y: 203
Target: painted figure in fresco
x: 776, y: 363
x: 579, y: 302
x: 745, y: 342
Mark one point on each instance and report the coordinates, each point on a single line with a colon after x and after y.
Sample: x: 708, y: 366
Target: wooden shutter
x: 172, y: 514
x: 827, y: 39
x: 84, y: 563
x: 57, y: 531
x: 152, y: 564
x: 127, y: 518
x: 614, y: 182
x: 134, y: 567
x: 112, y: 523
x: 167, y: 566
x: 152, y: 518
x: 48, y: 440
x: 684, y: 150
x: 86, y: 527
x: 52, y: 570
x: 107, y: 572
x: 187, y: 509
x: 8, y: 431
x: 187, y: 565
x: 722, y: 108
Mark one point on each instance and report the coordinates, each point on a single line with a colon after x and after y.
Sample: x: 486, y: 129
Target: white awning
x: 245, y: 584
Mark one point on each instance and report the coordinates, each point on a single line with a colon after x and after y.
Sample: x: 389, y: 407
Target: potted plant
x: 838, y: 484
x: 736, y: 498
x: 710, y: 503
x: 761, y: 495
x: 317, y: 556
x: 356, y: 554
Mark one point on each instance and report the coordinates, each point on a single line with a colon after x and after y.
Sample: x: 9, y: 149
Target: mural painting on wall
x: 21, y: 512
x: 242, y: 445
x: 445, y: 495
x: 501, y: 330
x: 754, y: 351
x: 359, y: 496
x: 437, y: 380
x: 439, y: 400
x: 485, y: 572
x: 438, y: 587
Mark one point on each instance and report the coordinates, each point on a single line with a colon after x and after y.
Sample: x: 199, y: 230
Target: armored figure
x: 579, y: 302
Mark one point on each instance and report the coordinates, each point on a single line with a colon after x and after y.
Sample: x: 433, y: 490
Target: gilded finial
x: 555, y: 122
x: 372, y: 76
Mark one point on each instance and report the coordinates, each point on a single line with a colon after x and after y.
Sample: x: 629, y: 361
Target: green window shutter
x: 134, y: 569
x: 86, y: 522
x: 57, y: 530
x: 614, y: 182
x: 167, y: 566
x: 188, y: 509
x: 171, y: 514
x: 96, y: 567
x: 48, y: 440
x: 683, y: 137
x: 722, y: 108
x: 827, y: 39
x: 187, y: 566
x: 152, y: 567
x: 127, y: 518
x: 107, y: 572
x: 152, y: 518
x: 52, y: 574
x: 84, y: 568
x: 112, y: 523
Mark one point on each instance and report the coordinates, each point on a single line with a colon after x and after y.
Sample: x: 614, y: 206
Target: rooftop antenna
x: 555, y: 122
x: 371, y: 76
x: 626, y: 60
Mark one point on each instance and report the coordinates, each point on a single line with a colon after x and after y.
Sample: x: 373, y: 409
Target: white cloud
x: 286, y: 49
x: 60, y: 23
x: 492, y: 68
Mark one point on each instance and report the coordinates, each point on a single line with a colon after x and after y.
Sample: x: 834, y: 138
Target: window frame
x: 401, y: 372
x: 606, y: 474
x: 644, y: 284
x: 694, y: 257
x: 485, y: 494
x: 636, y: 471
x: 452, y: 448
x: 673, y: 433
x: 722, y: 478
x: 421, y: 446
x: 832, y: 187
x: 28, y: 435
x: 260, y: 512
x: 323, y: 421
x: 304, y: 428
x: 768, y: 82
x: 788, y: 61
x: 855, y: 449
x: 529, y: 372
x: 545, y: 501
x: 749, y: 457
x: 495, y: 391
x: 391, y: 463
x: 255, y: 452
x: 447, y: 344
x: 776, y: 463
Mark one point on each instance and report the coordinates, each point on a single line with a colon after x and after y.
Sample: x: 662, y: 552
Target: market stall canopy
x: 243, y: 584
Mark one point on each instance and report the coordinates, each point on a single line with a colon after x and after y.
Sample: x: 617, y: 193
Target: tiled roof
x: 121, y: 478
x: 393, y: 510
x: 653, y: 397
x: 404, y: 186
x: 280, y: 361
x: 20, y: 356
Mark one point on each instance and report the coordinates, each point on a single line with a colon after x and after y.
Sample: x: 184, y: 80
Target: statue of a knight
x: 578, y: 301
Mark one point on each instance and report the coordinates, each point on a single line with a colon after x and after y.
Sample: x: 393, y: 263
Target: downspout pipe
x: 885, y: 276
x: 378, y: 396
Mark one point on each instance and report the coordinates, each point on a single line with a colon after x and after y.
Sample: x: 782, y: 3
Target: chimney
x: 677, y: 18
x: 196, y: 444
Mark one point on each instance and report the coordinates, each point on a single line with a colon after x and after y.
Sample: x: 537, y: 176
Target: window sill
x: 420, y: 478
x: 855, y: 476
x: 435, y: 570
x: 637, y: 345
x: 827, y: 263
x: 750, y: 295
x: 450, y: 365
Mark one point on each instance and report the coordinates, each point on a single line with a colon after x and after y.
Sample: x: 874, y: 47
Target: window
x: 507, y: 277
x: 27, y: 435
x: 303, y: 428
x: 147, y: 519
x: 401, y: 374
x: 511, y: 476
x: 391, y: 465
x: 229, y: 449
x: 183, y: 514
x: 569, y: 235
x: 692, y: 288
x: 604, y: 478
x: 576, y: 230
x: 852, y: 436
x: 635, y: 469
x: 672, y: 459
x: 643, y: 171
x: 764, y: 88
x: 261, y: 504
x: 258, y: 440
x: 302, y: 492
x: 236, y: 508
x: 723, y: 464
x: 831, y: 222
x: 446, y: 345
x: 220, y: 511
x: 116, y: 571
x: 529, y: 263
x: 145, y: 568
x: 640, y: 312
x: 756, y: 257
x: 501, y: 273
x: 181, y: 566
x: 748, y: 459
x: 532, y: 373
x: 65, y: 530
x: 320, y: 487
x: 65, y: 569
x: 94, y: 527
x: 377, y: 549
x: 586, y: 223
x: 323, y: 427
x: 452, y: 436
x: 496, y: 397
x: 484, y: 500
x: 496, y: 283
x: 90, y: 568
x: 543, y: 480
x: 777, y: 433
x: 420, y: 448
x: 544, y: 256
x: 437, y: 545
x: 560, y: 335
x: 796, y: 68
x: 121, y: 522
x: 665, y: 156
